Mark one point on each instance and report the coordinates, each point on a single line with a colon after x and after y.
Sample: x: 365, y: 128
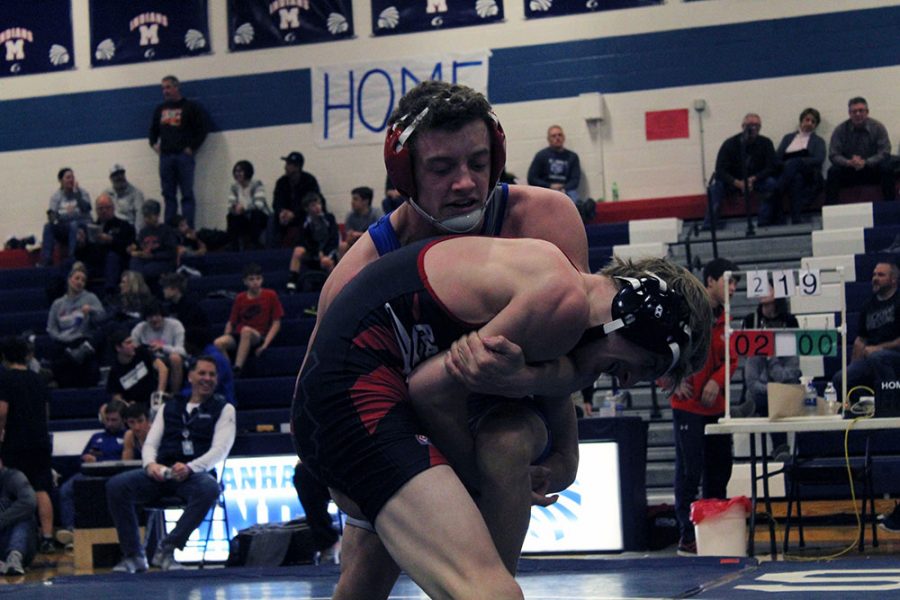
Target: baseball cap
x: 116, y: 168
x: 293, y: 157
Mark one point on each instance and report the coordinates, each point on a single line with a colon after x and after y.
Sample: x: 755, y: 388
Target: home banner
x: 536, y: 9
x: 147, y: 30
x: 255, y: 24
x: 35, y: 41
x: 352, y: 102
x: 390, y: 17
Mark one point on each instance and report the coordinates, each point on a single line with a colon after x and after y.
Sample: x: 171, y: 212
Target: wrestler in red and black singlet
x: 353, y: 424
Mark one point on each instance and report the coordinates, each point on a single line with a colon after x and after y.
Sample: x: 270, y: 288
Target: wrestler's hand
x: 540, y: 481
x: 485, y: 365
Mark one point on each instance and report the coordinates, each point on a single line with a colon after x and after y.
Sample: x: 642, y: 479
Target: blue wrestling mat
x: 541, y: 579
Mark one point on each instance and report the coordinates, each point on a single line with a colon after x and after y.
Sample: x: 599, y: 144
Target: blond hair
x: 696, y: 299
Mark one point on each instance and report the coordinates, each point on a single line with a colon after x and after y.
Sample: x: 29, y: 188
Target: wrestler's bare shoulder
x: 545, y: 214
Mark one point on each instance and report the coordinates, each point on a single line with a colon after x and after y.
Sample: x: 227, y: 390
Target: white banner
x: 352, y: 103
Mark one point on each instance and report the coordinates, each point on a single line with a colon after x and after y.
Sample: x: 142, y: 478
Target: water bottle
x: 608, y: 408
x: 810, y: 400
x: 831, y: 400
x: 615, y: 191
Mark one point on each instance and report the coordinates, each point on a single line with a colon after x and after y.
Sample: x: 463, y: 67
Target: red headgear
x: 399, y: 163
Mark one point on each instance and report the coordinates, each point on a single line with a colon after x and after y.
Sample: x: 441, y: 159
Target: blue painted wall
x: 703, y: 55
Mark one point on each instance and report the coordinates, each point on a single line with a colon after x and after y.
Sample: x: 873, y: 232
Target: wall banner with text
x: 352, y: 102
x: 147, y: 30
x: 390, y: 17
x: 255, y: 24
x: 35, y: 41
x: 536, y: 9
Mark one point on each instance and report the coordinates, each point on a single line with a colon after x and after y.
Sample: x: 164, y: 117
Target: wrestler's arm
x: 499, y: 368
x: 436, y: 395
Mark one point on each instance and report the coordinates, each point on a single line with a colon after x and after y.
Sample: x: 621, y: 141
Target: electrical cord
x: 869, y: 409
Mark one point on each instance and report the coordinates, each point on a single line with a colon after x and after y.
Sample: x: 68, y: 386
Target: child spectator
x: 359, y: 218
x: 156, y: 247
x: 137, y: 417
x: 165, y: 338
x: 319, y: 239
x: 185, y: 307
x: 188, y: 242
x: 255, y: 319
x: 135, y: 372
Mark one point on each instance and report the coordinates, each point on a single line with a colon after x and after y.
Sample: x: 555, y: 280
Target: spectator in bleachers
x: 188, y: 242
x: 248, y: 209
x: 69, y: 210
x: 73, y: 324
x: 126, y: 307
x: 189, y: 436
x: 164, y: 337
x: 359, y: 218
x: 24, y: 406
x: 745, y: 161
x: 103, y: 246
x: 102, y: 446
x: 317, y: 253
x: 177, y: 131
x: 128, y: 199
x: 156, y: 248
x: 17, y: 505
x: 556, y: 167
x: 287, y: 201
x: 254, y: 322
x: 800, y: 156
x: 185, y: 306
x: 698, y: 402
x: 759, y: 371
x: 860, y: 152
x: 393, y: 199
x: 137, y: 418
x: 876, y: 349
x: 135, y: 372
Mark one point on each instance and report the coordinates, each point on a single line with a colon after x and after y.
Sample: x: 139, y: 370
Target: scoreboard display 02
x: 769, y: 342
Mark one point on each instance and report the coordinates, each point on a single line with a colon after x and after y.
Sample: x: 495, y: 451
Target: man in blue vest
x: 189, y: 436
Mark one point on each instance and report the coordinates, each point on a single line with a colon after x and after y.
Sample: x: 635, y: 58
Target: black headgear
x: 650, y: 315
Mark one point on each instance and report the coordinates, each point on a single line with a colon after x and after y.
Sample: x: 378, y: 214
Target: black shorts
x: 367, y: 448
x: 35, y: 464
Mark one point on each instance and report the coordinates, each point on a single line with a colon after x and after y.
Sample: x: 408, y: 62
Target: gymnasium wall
x: 773, y: 57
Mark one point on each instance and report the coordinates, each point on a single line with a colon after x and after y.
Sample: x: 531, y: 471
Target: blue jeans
x: 126, y: 491
x: 67, y: 502
x: 64, y: 231
x: 877, y: 368
x: 21, y: 536
x: 718, y: 189
x: 177, y: 171
x: 698, y: 458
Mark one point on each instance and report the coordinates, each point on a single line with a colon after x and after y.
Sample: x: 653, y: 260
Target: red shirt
x: 713, y: 369
x: 258, y: 313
